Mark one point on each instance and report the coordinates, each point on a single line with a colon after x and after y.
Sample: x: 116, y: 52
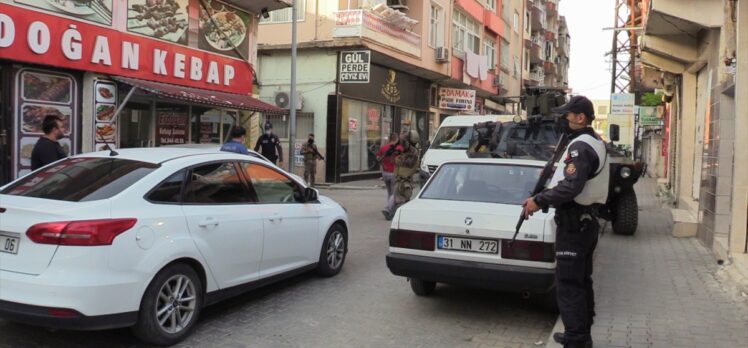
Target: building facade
x: 426, y: 60
x: 697, y: 55
x: 162, y: 69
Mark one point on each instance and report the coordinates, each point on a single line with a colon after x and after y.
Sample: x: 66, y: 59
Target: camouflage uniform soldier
x: 406, y: 165
x: 311, y: 155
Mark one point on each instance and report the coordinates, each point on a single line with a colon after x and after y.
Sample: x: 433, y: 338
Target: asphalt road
x: 364, y: 306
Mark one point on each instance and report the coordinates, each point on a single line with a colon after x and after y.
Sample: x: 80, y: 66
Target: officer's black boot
x: 561, y: 339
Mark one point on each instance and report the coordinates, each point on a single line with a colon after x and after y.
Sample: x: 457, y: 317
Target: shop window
x: 361, y: 134
x: 136, y: 125
x: 171, y: 124
x: 207, y: 125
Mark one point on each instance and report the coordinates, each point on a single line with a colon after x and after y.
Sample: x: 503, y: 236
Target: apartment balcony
x: 538, y: 15
x: 536, y: 51
x: 391, y: 29
x: 551, y: 7
x: 549, y: 67
x: 494, y: 23
x: 537, y: 76
x: 550, y: 36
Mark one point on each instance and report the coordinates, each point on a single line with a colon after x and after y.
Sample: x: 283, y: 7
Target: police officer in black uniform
x: 270, y: 143
x: 579, y: 184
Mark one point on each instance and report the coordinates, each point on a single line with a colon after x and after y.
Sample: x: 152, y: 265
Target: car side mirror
x: 614, y: 132
x: 310, y: 195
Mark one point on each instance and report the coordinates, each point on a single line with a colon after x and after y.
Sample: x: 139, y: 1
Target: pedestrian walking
x: 386, y: 157
x: 311, y: 155
x: 48, y: 149
x: 406, y: 165
x: 236, y: 144
x: 269, y: 145
x: 578, y: 185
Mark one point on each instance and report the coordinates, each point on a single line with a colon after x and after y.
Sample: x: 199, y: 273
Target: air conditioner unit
x: 398, y: 4
x: 442, y: 54
x: 283, y: 100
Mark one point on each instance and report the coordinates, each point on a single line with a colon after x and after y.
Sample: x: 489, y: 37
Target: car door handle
x: 275, y: 217
x: 207, y: 222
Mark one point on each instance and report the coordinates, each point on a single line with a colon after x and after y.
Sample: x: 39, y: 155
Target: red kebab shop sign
x: 35, y: 37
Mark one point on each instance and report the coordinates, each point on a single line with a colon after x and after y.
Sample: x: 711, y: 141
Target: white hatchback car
x: 459, y: 231
x: 148, y: 237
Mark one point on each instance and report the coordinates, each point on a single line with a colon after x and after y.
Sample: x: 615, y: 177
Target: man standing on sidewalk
x: 579, y: 183
x: 311, y: 155
x: 269, y: 145
x: 387, y: 158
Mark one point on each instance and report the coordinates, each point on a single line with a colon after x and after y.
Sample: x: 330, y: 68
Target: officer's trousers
x: 576, y: 239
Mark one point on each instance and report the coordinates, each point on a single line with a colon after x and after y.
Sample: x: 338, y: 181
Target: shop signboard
x: 355, y: 66
x: 43, y: 93
x: 622, y: 104
x: 165, y: 19
x: 648, y: 116
x: 34, y: 37
x: 172, y: 127
x: 105, y: 105
x: 223, y: 29
x: 456, y: 99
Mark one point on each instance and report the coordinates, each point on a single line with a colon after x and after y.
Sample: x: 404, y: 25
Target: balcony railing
x: 537, y: 75
x: 537, y: 40
x: 367, y: 24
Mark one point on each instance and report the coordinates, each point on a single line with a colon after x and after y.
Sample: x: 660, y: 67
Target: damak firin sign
x: 355, y: 66
x: 457, y: 99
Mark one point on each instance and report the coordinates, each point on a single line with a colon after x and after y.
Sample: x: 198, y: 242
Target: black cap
x: 578, y: 104
x: 268, y: 126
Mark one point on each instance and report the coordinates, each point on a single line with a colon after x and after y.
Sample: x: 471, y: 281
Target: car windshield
x: 453, y: 138
x: 482, y: 182
x: 81, y: 179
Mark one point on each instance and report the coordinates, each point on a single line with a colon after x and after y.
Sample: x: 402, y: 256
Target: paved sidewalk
x: 655, y: 290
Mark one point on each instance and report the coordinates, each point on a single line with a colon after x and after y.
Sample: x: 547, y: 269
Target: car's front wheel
x: 422, y: 287
x: 170, y: 306
x: 332, y: 255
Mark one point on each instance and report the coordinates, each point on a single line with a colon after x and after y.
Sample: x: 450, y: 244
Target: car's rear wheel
x: 170, y: 306
x: 332, y: 255
x: 422, y: 287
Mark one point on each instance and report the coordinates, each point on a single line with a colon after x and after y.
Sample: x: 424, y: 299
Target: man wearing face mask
x: 311, y: 155
x: 579, y: 184
x: 271, y: 145
x: 47, y: 148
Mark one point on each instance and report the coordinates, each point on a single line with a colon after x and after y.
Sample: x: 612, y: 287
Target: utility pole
x: 625, y: 42
x: 292, y: 109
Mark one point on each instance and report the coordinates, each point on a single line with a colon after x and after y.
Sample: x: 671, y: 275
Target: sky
x: 589, y: 70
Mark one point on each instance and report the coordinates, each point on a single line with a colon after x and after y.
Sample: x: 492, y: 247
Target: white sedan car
x: 459, y: 231
x: 148, y: 237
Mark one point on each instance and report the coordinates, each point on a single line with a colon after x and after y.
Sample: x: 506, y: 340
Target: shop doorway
x: 136, y: 124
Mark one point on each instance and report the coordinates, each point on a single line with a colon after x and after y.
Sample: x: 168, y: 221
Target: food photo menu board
x: 160, y: 19
x: 97, y: 11
x: 105, y: 105
x: 223, y: 29
x: 42, y: 93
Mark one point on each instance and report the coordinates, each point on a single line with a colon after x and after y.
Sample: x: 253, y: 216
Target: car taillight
x: 412, y: 240
x: 82, y: 233
x: 527, y: 251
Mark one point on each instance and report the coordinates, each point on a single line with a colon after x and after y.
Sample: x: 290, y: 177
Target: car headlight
x: 625, y: 172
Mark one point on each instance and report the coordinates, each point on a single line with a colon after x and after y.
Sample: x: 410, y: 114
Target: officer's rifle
x: 545, y: 175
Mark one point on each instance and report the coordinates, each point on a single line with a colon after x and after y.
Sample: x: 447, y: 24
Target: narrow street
x: 364, y: 306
